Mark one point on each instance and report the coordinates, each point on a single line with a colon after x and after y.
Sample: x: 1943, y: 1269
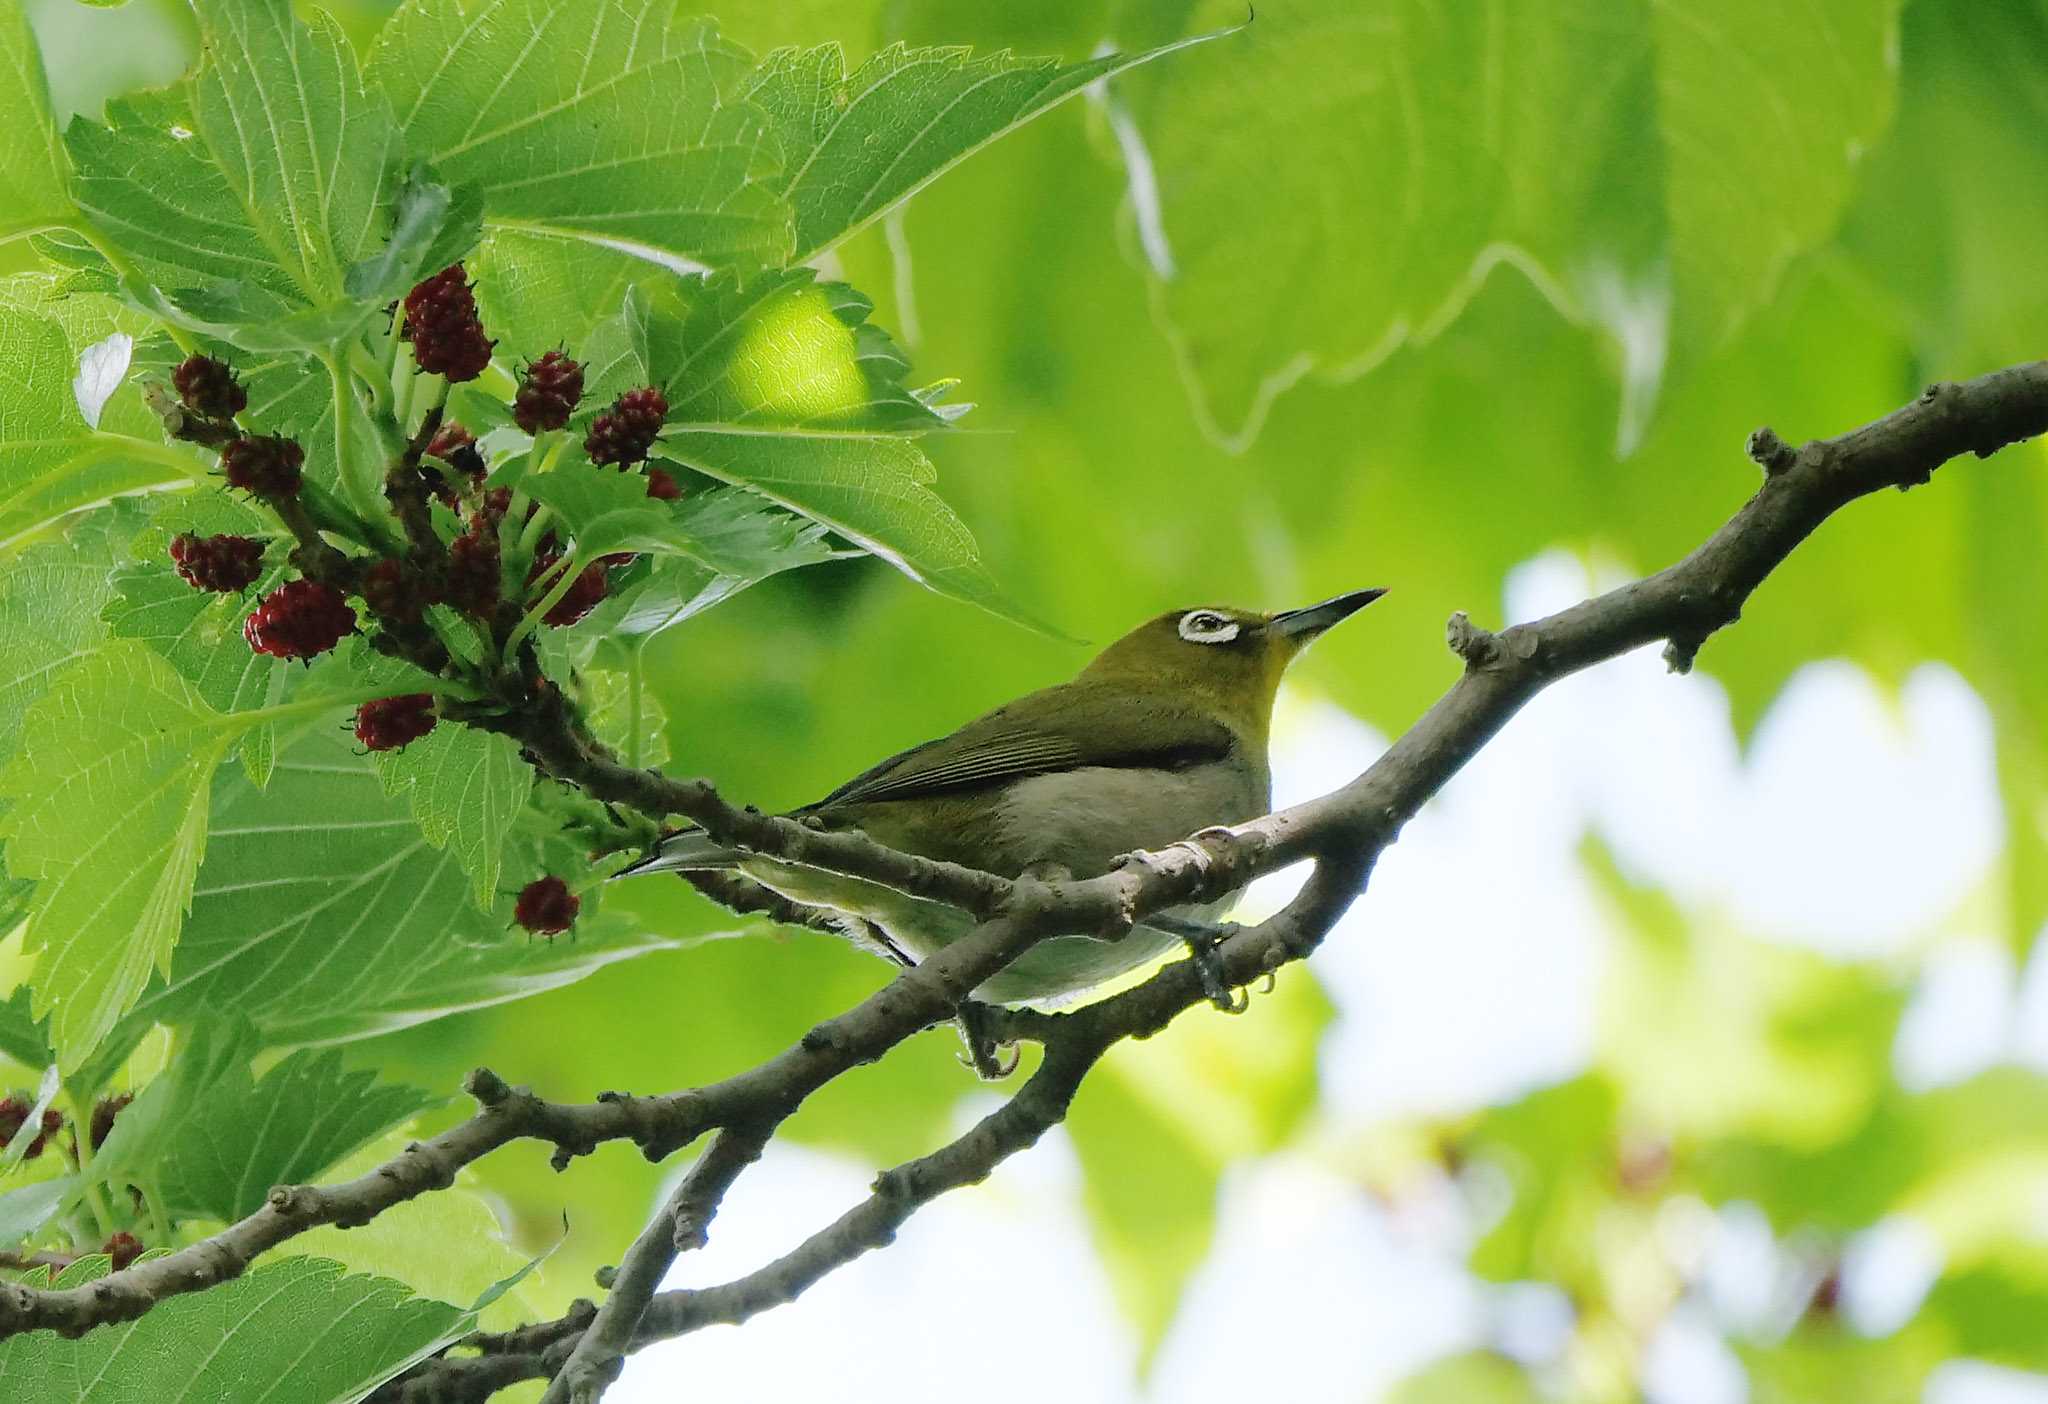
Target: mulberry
x: 265, y: 465
x: 441, y: 322
x: 390, y: 723
x: 546, y: 906
x: 299, y: 619
x: 209, y: 387
x: 548, y: 393
x: 624, y: 433
x: 228, y: 564
x: 662, y: 484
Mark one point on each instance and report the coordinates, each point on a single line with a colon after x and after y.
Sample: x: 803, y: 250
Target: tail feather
x: 690, y: 851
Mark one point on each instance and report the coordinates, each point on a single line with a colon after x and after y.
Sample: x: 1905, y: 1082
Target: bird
x: 1162, y: 735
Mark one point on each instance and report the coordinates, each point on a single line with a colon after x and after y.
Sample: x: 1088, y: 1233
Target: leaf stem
x: 565, y: 572
x: 363, y: 494
x: 118, y: 261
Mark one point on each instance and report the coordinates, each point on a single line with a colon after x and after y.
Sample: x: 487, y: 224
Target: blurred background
x: 1691, y: 1047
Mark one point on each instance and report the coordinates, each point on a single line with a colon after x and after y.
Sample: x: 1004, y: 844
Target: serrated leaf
x: 51, y: 461
x: 607, y: 120
x: 432, y: 226
x: 20, y: 1038
x: 50, y: 601
x: 109, y: 816
x: 855, y: 145
x: 32, y: 164
x: 634, y: 727
x: 297, y: 1330
x: 466, y: 787
x: 323, y: 914
x: 210, y: 1141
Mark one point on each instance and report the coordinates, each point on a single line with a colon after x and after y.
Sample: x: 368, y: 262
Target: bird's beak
x: 1301, y: 625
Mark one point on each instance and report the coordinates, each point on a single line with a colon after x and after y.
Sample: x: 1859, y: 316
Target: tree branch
x: 1344, y: 832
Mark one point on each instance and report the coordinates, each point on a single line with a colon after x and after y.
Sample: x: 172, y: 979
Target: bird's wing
x: 1060, y: 728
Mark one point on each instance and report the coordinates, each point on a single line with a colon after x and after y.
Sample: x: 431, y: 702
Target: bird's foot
x: 1202, y: 940
x: 984, y: 1053
x: 1141, y: 857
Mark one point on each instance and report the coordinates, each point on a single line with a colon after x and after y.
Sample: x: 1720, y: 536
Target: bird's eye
x: 1207, y: 627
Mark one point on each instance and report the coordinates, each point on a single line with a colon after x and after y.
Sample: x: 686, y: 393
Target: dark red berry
x: 546, y: 906
x: 586, y: 594
x: 209, y: 387
x: 299, y: 619
x: 265, y: 465
x: 13, y: 1116
x: 624, y: 433
x: 548, y: 393
x: 103, y: 1113
x: 229, y: 564
x: 392, y: 722
x: 124, y: 1248
x: 496, y: 502
x: 441, y: 322
x: 452, y: 435
x: 391, y: 592
x: 662, y: 484
x: 473, y: 569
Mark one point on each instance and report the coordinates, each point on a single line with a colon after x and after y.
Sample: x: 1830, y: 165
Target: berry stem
x: 125, y: 271
x: 565, y: 572
x: 368, y: 370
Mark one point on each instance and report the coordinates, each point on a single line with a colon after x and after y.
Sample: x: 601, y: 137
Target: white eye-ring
x: 1206, y: 626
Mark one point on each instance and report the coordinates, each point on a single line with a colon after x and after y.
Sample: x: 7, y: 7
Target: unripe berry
x: 390, y: 723
x: 124, y: 1248
x: 209, y: 387
x: 441, y: 322
x: 265, y: 465
x: 584, y: 595
x: 299, y: 619
x: 662, y: 484
x: 228, y: 564
x: 546, y: 906
x: 14, y: 1112
x: 548, y: 393
x: 624, y: 433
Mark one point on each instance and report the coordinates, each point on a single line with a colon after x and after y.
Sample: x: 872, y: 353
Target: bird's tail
x: 692, y: 850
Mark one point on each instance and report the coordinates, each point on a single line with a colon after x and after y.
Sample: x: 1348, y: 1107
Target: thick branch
x: 1345, y: 831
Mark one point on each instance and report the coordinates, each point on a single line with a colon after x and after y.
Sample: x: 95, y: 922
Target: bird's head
x: 1228, y: 660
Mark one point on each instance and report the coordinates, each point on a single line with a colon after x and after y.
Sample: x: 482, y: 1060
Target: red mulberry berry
x: 624, y: 433
x: 209, y: 387
x: 662, y: 484
x: 103, y: 1113
x: 391, y: 592
x: 441, y: 322
x: 123, y: 1248
x: 586, y: 594
x: 229, y: 564
x: 473, y: 569
x: 299, y: 619
x: 546, y: 906
x: 548, y: 393
x: 265, y: 465
x: 14, y: 1115
x: 390, y: 723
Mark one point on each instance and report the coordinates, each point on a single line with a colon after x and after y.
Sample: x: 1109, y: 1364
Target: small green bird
x: 1162, y: 735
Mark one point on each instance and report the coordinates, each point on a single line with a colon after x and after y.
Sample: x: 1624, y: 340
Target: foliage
x: 1423, y: 286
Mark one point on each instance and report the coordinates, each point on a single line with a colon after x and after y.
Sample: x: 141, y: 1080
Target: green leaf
x: 51, y: 461
x: 110, y: 810
x: 32, y: 164
x: 610, y: 120
x: 854, y: 145
x: 730, y: 531
x: 210, y: 1141
x: 298, y: 1330
x: 20, y: 1037
x: 1592, y: 146
x: 50, y: 600
x: 323, y: 913
x: 432, y: 227
x: 466, y: 787
x: 199, y: 632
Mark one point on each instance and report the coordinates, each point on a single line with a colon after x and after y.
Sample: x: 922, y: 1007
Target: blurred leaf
x: 1150, y: 1191
x: 32, y: 164
x: 1476, y: 1377
x: 1412, y: 167
x: 296, y: 1331
x: 855, y: 144
x: 1556, y: 1149
x: 110, y: 818
x: 466, y: 788
x: 322, y: 914
x: 607, y: 120
x: 24, y: 1211
x: 210, y: 1141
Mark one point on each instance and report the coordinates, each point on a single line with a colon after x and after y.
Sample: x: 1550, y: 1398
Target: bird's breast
x: 1082, y: 820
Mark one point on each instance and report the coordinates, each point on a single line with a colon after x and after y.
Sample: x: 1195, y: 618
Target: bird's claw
x: 984, y: 1052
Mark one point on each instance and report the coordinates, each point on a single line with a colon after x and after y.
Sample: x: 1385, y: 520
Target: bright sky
x: 1819, y: 839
